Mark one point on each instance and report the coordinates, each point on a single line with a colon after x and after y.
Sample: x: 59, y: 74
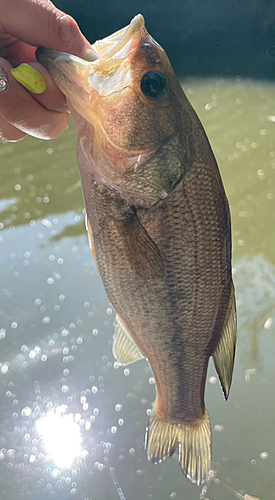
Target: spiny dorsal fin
x: 124, y: 348
x: 223, y: 356
x: 140, y: 250
x: 163, y: 437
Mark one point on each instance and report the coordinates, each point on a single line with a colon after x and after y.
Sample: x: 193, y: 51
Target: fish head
x: 124, y: 102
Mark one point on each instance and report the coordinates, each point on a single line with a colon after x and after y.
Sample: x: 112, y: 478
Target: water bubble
x: 2, y: 333
x: 218, y: 428
x: 43, y: 358
x: 46, y: 320
x: 50, y: 281
x: 118, y: 407
x: 152, y: 381
x: 113, y: 429
x: 126, y: 372
x: 94, y: 389
x: 109, y: 311
x: 263, y: 455
x: 120, y: 421
x: 132, y: 451
x: 26, y: 412
x: 14, y: 325
x: 268, y: 323
x: 212, y: 380
x: 17, y: 187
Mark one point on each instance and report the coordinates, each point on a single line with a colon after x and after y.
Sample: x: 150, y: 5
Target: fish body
x: 159, y: 226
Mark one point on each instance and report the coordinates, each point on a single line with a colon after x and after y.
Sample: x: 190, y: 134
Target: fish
x: 159, y: 227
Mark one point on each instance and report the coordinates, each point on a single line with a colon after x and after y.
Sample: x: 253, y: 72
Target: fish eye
x: 153, y: 85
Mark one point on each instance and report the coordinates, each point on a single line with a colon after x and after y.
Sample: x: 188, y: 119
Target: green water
x: 56, y: 326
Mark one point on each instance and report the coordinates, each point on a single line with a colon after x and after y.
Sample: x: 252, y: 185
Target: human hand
x: 25, y: 25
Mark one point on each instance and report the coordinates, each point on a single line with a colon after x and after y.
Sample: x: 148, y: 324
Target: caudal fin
x: 163, y: 437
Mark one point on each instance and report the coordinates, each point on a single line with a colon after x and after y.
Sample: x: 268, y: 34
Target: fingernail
x: 91, y: 55
x: 3, y: 81
x: 30, y: 78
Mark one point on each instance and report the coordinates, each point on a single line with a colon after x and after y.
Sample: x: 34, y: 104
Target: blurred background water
x: 68, y: 413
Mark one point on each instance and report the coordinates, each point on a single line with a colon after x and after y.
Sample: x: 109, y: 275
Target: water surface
x: 69, y: 414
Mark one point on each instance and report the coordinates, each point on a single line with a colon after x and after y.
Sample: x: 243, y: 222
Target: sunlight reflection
x: 61, y: 436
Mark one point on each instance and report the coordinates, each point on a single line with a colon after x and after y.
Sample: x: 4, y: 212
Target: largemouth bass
x: 159, y: 226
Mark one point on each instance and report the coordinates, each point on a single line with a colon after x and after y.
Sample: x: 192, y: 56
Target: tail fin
x: 163, y: 437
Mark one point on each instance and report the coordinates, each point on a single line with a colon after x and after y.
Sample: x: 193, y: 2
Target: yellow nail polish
x: 30, y: 78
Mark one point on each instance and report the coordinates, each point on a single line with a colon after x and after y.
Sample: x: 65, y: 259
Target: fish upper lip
x: 102, y: 50
x: 109, y: 46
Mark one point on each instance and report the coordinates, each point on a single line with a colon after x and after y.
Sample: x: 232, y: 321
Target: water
x: 72, y: 422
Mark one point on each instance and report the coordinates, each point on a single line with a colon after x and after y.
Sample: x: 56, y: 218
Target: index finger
x: 40, y: 23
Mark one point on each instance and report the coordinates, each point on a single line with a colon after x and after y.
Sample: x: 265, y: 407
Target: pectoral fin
x: 224, y: 353
x: 140, y: 250
x: 124, y: 348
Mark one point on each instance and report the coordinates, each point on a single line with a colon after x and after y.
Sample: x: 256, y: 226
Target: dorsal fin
x: 124, y: 348
x: 224, y: 354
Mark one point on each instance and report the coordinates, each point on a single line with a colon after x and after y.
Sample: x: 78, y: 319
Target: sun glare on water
x: 61, y: 436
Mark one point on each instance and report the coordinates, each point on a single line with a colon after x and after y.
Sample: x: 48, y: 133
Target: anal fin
x: 124, y: 348
x: 224, y: 354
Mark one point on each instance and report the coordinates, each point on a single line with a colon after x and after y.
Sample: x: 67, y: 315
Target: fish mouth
x: 104, y: 70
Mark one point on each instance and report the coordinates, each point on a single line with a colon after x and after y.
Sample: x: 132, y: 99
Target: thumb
x: 40, y: 23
